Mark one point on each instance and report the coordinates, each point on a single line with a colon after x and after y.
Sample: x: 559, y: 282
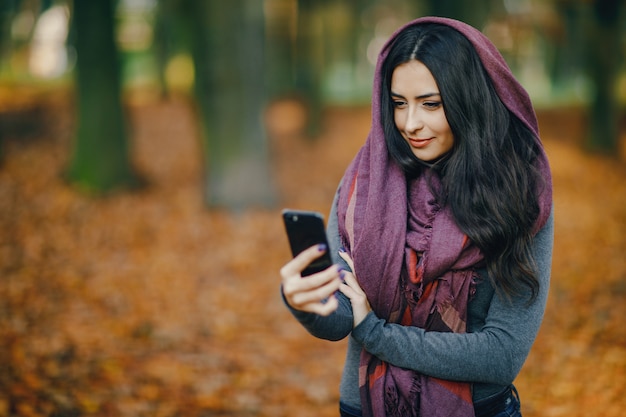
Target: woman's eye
x: 432, y: 104
x: 399, y: 103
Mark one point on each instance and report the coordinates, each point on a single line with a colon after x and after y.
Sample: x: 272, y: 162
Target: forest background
x: 147, y: 148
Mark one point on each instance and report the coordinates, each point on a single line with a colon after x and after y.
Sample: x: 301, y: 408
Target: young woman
x: 442, y: 233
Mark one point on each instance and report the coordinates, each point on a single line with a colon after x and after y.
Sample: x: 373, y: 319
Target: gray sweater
x: 500, y: 332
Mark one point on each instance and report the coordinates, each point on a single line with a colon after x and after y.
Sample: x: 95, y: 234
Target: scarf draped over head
x: 411, y: 259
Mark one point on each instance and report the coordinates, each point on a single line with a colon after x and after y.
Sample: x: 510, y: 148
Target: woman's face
x: 418, y: 111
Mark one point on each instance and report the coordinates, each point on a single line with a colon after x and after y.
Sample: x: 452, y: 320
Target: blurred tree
x: 308, y: 62
x: 563, y: 39
x: 294, y: 52
x: 281, y: 28
x: 604, y: 58
x: 227, y: 49
x: 101, y: 160
x: 162, y: 47
x: 474, y: 13
x: 8, y: 9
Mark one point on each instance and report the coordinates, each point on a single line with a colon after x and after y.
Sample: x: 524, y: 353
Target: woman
x: 442, y: 233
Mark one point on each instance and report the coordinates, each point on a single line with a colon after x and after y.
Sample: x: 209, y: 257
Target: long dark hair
x: 488, y: 177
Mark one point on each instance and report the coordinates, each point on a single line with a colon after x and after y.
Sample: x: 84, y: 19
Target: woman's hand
x: 354, y: 292
x: 314, y: 293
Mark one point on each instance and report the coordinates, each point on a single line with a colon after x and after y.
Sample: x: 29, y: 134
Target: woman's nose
x: 414, y: 121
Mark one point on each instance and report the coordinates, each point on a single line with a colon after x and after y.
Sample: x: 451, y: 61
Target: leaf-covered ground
x: 148, y: 304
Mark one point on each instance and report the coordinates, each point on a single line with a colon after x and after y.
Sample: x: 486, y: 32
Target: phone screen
x: 306, y: 229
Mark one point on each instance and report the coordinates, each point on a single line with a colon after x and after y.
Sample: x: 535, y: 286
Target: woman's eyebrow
x: 420, y: 97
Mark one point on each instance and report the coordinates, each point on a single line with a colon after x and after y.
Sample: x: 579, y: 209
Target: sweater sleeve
x: 339, y: 324
x: 494, y: 353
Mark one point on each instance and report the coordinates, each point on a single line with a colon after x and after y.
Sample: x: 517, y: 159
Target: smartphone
x: 305, y: 229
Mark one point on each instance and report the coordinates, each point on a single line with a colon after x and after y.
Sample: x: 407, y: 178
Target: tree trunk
x: 471, y: 12
x: 101, y: 159
x: 8, y: 10
x: 308, y: 65
x: 280, y: 34
x: 228, y: 49
x: 565, y: 60
x: 604, y: 58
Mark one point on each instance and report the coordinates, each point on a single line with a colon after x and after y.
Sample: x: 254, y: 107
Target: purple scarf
x: 413, y: 262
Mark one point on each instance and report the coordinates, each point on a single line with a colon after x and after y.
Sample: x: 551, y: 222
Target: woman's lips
x: 419, y: 143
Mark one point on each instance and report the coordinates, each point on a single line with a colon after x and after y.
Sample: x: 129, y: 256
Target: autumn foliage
x: 148, y: 304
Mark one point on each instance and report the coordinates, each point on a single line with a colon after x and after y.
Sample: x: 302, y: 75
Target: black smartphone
x: 305, y: 229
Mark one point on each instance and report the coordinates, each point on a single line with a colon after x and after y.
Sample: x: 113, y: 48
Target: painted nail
x: 342, y: 249
x: 321, y: 247
x: 342, y: 275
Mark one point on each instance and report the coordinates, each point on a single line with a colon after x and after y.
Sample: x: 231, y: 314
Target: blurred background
x: 147, y: 147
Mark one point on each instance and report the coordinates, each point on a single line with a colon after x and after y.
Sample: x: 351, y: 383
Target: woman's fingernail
x: 342, y: 274
x: 321, y: 247
x: 342, y: 249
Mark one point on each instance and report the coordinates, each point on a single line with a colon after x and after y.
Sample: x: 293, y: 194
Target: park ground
x: 149, y: 304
